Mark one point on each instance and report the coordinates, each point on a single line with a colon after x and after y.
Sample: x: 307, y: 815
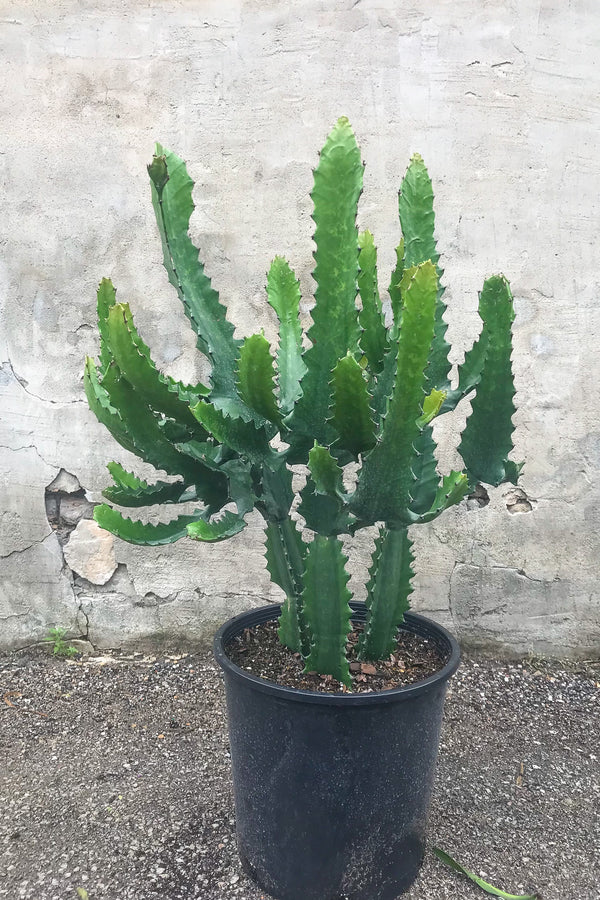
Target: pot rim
x: 412, y: 622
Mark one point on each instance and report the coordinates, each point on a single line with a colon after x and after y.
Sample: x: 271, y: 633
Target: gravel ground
x: 114, y: 777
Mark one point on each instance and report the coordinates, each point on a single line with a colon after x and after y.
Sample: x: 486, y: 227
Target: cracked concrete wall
x: 500, y: 98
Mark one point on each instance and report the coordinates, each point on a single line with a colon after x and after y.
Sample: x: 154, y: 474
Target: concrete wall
x: 502, y: 100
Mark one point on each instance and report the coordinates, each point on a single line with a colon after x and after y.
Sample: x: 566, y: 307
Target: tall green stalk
x: 362, y: 393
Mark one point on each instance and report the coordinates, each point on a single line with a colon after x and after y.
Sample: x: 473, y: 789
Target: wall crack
x: 28, y: 447
x: 24, y: 384
x: 23, y: 549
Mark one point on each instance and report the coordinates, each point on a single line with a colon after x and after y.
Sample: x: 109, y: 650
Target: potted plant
x: 332, y: 783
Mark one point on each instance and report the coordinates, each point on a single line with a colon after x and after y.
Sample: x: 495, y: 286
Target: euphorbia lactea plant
x: 362, y: 392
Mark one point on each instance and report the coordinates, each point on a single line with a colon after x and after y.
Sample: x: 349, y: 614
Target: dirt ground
x: 114, y: 778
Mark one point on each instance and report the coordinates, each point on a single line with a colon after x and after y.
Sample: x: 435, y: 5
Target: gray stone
x: 90, y: 552
x: 517, y: 501
x: 73, y: 509
x: 65, y: 483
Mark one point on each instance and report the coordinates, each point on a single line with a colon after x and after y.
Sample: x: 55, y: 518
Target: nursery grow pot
x: 332, y: 790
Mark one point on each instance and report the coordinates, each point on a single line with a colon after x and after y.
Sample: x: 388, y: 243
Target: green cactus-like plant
x: 362, y: 392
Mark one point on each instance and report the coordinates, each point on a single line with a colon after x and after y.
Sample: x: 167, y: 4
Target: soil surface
x: 115, y: 779
x: 258, y: 651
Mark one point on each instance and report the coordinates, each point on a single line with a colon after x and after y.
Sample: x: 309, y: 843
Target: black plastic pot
x: 332, y: 790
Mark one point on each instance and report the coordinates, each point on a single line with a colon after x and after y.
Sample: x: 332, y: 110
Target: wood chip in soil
x: 258, y: 651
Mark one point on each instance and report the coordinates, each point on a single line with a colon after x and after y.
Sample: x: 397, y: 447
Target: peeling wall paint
x: 502, y: 101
